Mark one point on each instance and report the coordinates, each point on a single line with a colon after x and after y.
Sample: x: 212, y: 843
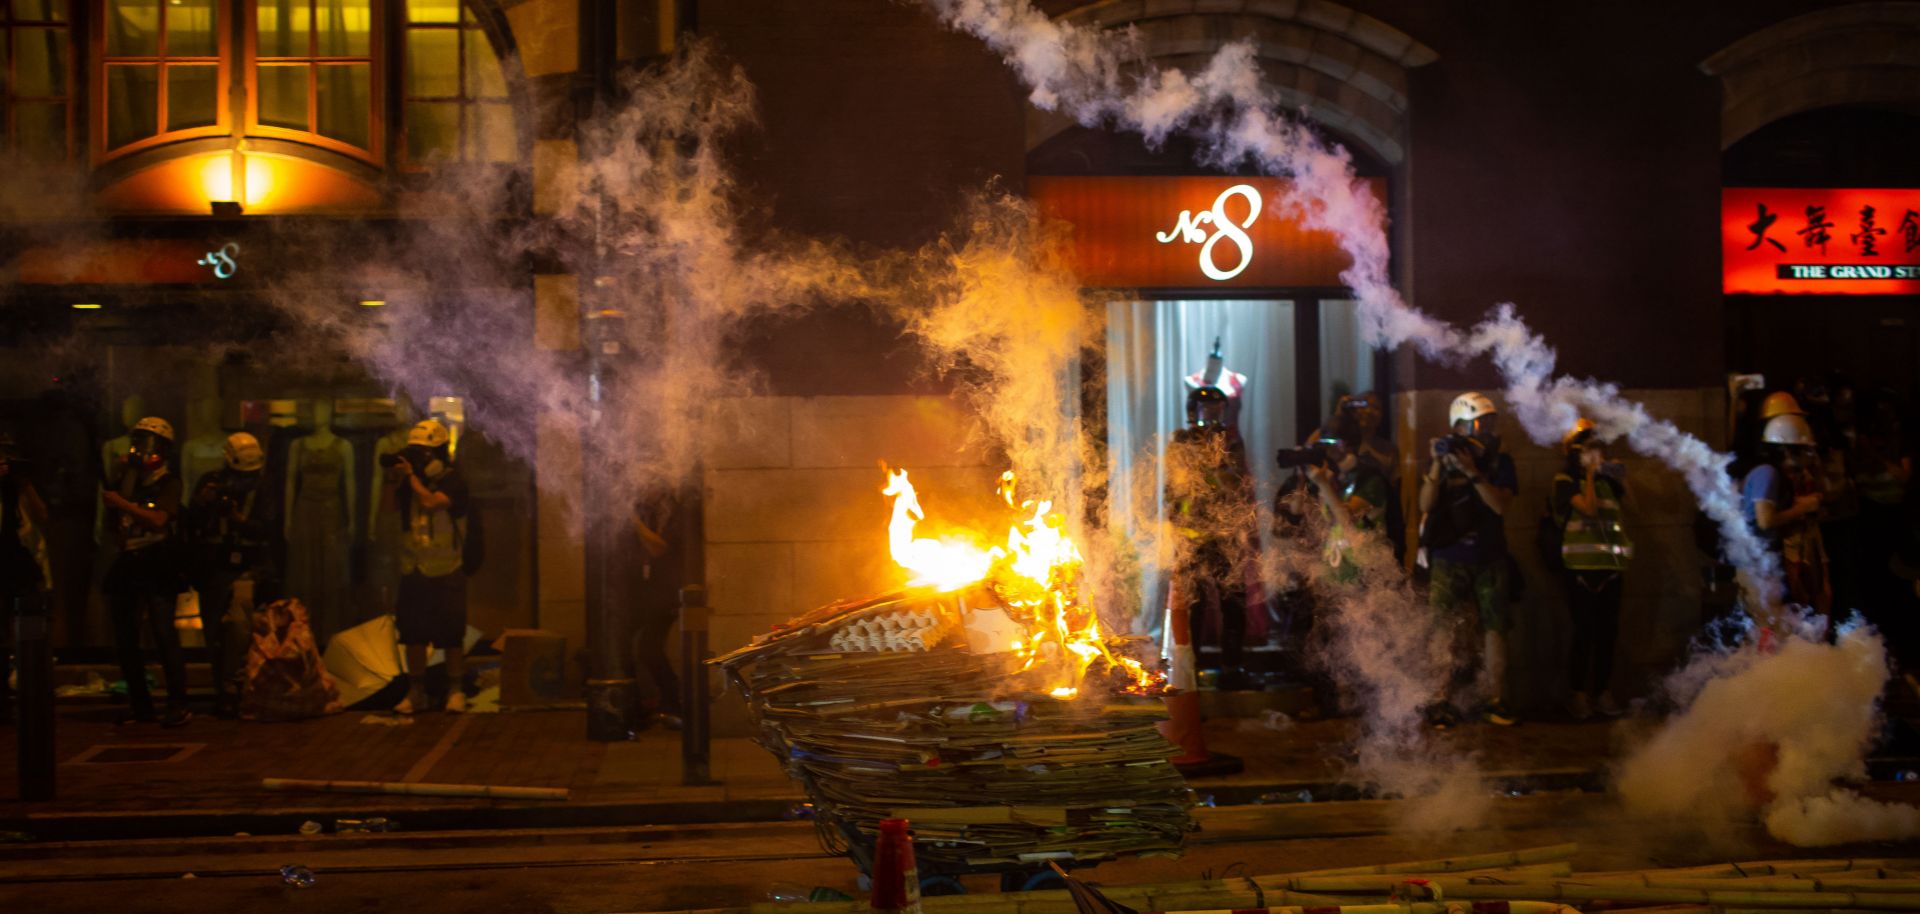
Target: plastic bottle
x: 297, y: 876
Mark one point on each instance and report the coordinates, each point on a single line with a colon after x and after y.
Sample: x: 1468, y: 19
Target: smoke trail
x: 1087, y: 74
x: 1095, y: 77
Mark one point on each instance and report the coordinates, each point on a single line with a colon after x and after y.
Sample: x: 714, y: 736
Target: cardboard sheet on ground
x: 364, y: 658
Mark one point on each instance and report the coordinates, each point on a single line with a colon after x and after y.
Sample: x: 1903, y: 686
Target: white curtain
x: 1346, y: 361
x: 1151, y: 346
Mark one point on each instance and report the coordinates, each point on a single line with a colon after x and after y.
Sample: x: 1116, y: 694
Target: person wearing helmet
x: 1353, y: 493
x: 1594, y: 553
x: 229, y: 524
x: 1357, y: 419
x: 427, y: 497
x: 1464, y: 493
x: 1209, y: 493
x: 1782, y: 498
x: 142, y: 498
x: 23, y: 552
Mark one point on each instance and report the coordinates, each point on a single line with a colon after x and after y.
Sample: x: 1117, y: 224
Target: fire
x: 1035, y: 574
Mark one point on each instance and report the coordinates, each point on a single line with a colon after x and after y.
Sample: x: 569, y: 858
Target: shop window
x: 313, y: 69
x: 36, y: 99
x: 456, y: 106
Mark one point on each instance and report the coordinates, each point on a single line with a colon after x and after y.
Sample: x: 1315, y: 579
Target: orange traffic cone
x: 896, y: 880
x: 1183, y: 725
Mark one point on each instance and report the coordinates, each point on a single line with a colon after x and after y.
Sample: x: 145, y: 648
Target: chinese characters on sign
x: 1821, y: 240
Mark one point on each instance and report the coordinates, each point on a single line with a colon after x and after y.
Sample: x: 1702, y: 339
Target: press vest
x: 1598, y: 542
x: 432, y: 541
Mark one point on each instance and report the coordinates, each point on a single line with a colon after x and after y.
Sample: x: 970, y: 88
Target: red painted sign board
x: 1189, y: 232
x: 1830, y: 241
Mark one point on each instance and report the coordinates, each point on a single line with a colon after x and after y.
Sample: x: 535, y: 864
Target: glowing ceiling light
x: 86, y: 306
x: 372, y: 303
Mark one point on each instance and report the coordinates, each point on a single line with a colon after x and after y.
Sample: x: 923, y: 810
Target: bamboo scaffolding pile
x: 992, y: 770
x: 1531, y: 881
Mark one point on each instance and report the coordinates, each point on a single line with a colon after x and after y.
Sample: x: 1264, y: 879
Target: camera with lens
x: 1312, y: 455
x: 392, y: 460
x: 1456, y: 444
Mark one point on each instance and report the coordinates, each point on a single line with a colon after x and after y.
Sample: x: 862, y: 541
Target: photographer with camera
x: 230, y: 521
x: 142, y: 501
x: 427, y: 496
x: 1464, y: 493
x: 1353, y: 492
x: 1594, y: 552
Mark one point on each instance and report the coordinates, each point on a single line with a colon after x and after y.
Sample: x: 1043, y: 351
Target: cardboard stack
x: 880, y: 708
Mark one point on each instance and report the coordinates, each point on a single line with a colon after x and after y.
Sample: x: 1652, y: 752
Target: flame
x: 1036, y: 574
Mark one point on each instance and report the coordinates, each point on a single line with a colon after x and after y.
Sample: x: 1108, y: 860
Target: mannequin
x: 205, y: 450
x: 1231, y: 383
x: 383, y: 532
x: 319, y: 523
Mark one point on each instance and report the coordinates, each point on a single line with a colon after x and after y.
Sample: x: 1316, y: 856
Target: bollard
x: 33, y: 653
x: 695, y: 735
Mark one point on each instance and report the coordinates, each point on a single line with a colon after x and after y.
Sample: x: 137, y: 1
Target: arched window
x: 36, y: 96
x: 314, y: 72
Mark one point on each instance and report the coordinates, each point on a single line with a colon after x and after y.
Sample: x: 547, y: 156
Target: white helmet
x: 1470, y: 406
x: 1788, y: 430
x: 428, y: 432
x: 243, y: 452
x: 157, y: 426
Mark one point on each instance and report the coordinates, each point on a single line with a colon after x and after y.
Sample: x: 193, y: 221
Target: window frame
x: 10, y: 100
x: 97, y: 81
x: 465, y: 102
x: 376, y: 86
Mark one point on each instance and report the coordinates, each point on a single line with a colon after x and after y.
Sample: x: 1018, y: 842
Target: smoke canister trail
x: 1093, y: 75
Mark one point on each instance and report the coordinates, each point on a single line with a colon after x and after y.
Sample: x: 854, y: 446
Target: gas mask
x: 148, y: 451
x: 427, y: 462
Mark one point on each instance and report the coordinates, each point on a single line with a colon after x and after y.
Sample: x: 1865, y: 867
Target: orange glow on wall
x: 1845, y: 241
x: 1189, y: 232
x: 275, y: 184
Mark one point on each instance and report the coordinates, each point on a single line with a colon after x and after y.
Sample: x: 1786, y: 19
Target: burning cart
x: 990, y: 712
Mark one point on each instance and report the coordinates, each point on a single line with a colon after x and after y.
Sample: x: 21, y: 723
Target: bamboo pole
x: 1531, y: 855
x: 1575, y: 891
x: 494, y: 791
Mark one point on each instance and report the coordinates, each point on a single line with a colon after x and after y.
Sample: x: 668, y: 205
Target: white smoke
x: 1772, y: 730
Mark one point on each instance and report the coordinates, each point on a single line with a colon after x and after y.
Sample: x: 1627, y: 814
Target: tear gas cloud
x: 1773, y: 730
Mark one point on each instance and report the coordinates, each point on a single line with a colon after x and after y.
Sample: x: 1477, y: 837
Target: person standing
x: 1782, y: 497
x: 429, y: 497
x: 657, y: 577
x: 1464, y: 493
x: 1210, y: 503
x: 230, y: 520
x: 1594, y: 551
x: 23, y: 554
x: 142, y: 499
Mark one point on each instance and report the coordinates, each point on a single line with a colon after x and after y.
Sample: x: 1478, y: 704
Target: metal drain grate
x: 145, y: 752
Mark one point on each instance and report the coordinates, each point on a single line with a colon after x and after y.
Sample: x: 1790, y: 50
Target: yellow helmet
x: 1780, y: 403
x: 428, y: 433
x: 1581, y: 430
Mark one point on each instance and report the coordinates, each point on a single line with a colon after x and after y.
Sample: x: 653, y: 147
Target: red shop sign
x: 1189, y: 232
x: 1844, y: 241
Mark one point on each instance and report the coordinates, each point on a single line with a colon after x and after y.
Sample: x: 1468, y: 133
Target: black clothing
x: 223, y: 553
x: 1593, y: 603
x: 143, y: 581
